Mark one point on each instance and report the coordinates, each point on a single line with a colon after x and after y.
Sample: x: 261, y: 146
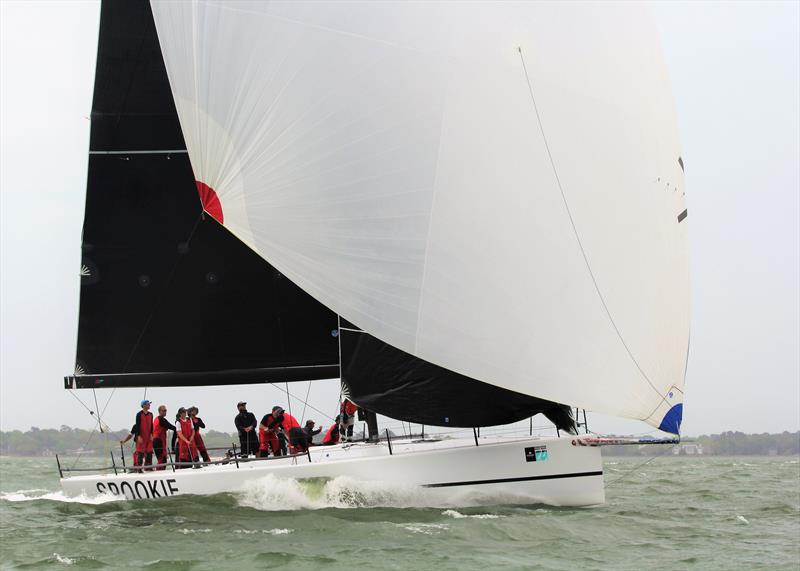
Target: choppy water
x: 671, y: 513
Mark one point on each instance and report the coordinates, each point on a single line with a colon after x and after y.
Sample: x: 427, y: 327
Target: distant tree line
x: 66, y: 440
x: 726, y: 444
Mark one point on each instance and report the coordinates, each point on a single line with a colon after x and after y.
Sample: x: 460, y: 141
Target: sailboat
x: 469, y: 213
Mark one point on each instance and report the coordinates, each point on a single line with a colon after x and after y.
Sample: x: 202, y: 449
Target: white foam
x: 275, y: 531
x: 188, y: 531
x: 63, y: 559
x: 35, y: 495
x: 277, y: 494
x: 742, y: 519
x: 272, y: 493
x: 425, y: 528
x: 457, y: 515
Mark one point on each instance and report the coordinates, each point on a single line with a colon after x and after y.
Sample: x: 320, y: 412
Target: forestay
x: 494, y: 188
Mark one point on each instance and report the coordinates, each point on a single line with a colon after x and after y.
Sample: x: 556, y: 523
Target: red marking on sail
x: 210, y: 201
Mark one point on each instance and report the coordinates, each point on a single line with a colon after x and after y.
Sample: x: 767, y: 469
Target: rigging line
x: 339, y: 342
x: 77, y: 398
x: 108, y: 400
x: 97, y: 408
x: 309, y: 405
x: 575, y: 229
x: 95, y: 415
x: 629, y: 472
x: 305, y: 403
x: 288, y: 398
x: 85, y: 444
x: 164, y: 289
x: 341, y: 382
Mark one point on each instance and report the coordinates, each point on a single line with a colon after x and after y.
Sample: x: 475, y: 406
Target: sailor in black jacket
x: 246, y: 424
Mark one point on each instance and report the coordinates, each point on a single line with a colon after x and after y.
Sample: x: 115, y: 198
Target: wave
x: 458, y: 515
x: 424, y: 528
x: 63, y: 559
x: 272, y: 493
x: 36, y: 495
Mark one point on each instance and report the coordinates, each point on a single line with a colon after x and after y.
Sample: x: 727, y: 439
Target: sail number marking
x: 140, y: 489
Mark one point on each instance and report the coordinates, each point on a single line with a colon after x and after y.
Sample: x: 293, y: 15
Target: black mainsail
x: 168, y: 296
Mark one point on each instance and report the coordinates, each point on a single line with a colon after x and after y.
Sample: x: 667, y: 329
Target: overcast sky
x: 735, y: 69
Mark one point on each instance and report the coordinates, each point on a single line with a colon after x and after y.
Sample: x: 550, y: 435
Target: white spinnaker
x: 494, y: 188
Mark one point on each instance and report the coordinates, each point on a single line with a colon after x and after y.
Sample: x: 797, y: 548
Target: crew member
x: 160, y: 427
x: 246, y: 424
x: 174, y: 443
x: 128, y: 436
x: 143, y: 435
x: 332, y: 436
x: 348, y: 410
x: 198, y: 440
x: 310, y: 432
x: 268, y: 437
x: 291, y: 428
x: 187, y: 451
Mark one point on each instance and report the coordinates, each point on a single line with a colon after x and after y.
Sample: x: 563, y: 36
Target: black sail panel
x: 394, y: 383
x: 168, y: 295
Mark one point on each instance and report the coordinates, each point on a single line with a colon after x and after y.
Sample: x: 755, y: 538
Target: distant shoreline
x: 606, y: 456
x: 37, y: 442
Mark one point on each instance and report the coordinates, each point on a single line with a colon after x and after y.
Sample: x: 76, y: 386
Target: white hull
x: 532, y: 470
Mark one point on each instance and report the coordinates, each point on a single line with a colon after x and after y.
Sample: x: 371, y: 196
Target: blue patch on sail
x: 672, y: 420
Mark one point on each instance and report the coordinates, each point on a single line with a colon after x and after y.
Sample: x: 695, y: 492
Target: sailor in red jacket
x: 160, y: 427
x: 348, y: 410
x: 187, y: 451
x: 268, y: 436
x: 143, y: 435
x: 290, y: 426
x: 198, y: 423
x: 332, y: 436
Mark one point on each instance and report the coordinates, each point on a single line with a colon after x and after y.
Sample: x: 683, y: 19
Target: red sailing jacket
x: 143, y: 430
x: 332, y: 436
x: 289, y: 422
x: 159, y: 432
x: 348, y: 407
x: 187, y: 428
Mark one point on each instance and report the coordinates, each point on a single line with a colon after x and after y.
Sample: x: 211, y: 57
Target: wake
x: 344, y: 492
x: 36, y: 495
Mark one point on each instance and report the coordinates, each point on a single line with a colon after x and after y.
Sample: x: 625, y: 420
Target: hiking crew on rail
x: 278, y: 433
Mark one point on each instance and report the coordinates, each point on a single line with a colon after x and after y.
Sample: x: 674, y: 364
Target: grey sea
x: 669, y: 513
